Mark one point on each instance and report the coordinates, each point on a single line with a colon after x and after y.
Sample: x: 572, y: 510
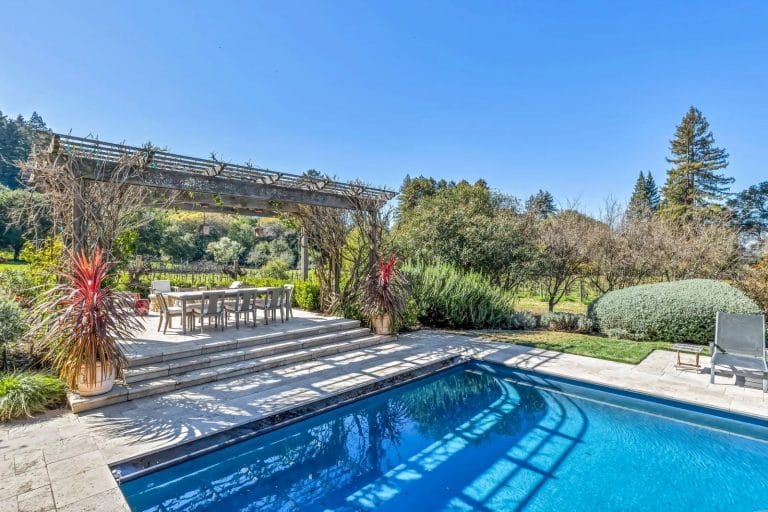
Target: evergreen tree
x: 652, y: 192
x: 16, y: 136
x: 541, y: 204
x: 750, y: 209
x: 693, y: 181
x: 640, y: 202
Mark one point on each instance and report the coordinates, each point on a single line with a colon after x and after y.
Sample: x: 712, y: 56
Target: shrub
x: 275, y: 269
x: 12, y: 325
x: 678, y: 311
x: 306, y: 295
x: 20, y: 284
x: 25, y: 393
x: 571, y: 322
x: 448, y: 297
x: 523, y: 320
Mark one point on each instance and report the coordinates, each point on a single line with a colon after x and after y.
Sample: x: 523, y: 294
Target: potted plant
x: 80, y: 320
x: 385, y: 296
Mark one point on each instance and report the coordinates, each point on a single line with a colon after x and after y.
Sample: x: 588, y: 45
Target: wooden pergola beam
x: 220, y: 185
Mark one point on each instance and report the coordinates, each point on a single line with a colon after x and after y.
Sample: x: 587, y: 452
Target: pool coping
x: 135, y: 467
x: 149, y: 462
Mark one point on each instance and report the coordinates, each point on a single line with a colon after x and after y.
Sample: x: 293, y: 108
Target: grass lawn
x: 582, y: 344
x: 9, y: 265
x: 538, y: 307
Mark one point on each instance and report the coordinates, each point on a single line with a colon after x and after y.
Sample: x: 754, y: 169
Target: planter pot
x: 382, y: 324
x: 104, y: 382
x: 142, y: 307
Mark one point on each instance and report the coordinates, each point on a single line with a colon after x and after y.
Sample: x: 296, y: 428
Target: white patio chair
x: 740, y: 345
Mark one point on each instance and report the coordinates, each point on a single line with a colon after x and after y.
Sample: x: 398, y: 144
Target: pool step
x: 243, y: 351
x: 148, y: 380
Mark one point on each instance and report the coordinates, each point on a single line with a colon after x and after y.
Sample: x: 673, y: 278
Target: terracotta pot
x: 104, y: 382
x: 382, y: 324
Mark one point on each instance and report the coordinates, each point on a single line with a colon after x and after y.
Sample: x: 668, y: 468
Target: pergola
x: 211, y: 185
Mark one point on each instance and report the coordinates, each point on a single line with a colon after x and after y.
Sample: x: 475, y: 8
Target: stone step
x: 125, y: 392
x: 193, y: 349
x: 243, y: 351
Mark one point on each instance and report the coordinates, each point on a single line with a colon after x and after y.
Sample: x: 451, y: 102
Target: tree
x: 225, y: 250
x: 413, y: 190
x: 471, y: 228
x: 652, y: 192
x: 16, y: 137
x: 755, y: 282
x: 645, y: 196
x: 693, y: 181
x: 541, y: 205
x: 14, y: 230
x: 562, y: 253
x: 639, y: 203
x: 750, y: 209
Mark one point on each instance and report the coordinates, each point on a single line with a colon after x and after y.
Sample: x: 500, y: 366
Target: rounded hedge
x: 678, y: 311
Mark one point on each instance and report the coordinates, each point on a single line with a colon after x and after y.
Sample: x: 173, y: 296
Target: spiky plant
x: 81, y: 319
x: 25, y: 393
x: 385, y: 291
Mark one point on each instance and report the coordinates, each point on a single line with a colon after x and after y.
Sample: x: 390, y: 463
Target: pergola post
x: 78, y: 219
x: 373, y: 255
x: 303, y: 254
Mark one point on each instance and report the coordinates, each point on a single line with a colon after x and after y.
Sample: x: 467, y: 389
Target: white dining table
x: 193, y: 295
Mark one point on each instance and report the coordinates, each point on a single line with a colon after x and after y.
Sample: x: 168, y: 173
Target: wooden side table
x: 688, y: 348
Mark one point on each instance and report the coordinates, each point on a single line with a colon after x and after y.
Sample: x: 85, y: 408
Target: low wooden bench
x: 688, y: 348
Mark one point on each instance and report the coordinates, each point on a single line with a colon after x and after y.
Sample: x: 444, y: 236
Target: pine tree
x: 652, y: 192
x: 36, y: 122
x: 693, y: 181
x: 640, y: 202
x: 541, y: 204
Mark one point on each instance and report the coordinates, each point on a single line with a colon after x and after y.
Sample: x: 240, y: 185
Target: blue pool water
x: 480, y: 437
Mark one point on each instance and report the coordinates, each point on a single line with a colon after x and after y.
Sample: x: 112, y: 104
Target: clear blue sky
x: 573, y: 97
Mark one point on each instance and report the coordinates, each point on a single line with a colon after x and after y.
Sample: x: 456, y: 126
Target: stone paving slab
x: 58, y: 461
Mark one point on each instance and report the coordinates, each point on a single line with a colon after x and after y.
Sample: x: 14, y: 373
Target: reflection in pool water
x: 467, y: 439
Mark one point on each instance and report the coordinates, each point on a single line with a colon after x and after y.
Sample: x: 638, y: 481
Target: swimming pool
x: 481, y: 437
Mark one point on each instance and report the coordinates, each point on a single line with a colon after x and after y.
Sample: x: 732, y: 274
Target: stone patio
x: 59, y: 461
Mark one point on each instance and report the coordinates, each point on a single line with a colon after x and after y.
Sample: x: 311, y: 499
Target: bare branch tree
x: 90, y: 202
x: 343, y: 241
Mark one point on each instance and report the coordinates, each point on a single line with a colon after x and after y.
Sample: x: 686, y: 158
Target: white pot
x: 104, y: 382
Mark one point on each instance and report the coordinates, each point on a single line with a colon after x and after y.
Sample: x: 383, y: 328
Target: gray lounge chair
x: 740, y: 344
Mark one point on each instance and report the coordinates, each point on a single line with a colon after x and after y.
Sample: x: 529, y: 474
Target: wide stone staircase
x: 187, y: 366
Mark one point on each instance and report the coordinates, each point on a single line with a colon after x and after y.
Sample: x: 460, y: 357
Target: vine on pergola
x: 88, y: 212
x: 343, y: 241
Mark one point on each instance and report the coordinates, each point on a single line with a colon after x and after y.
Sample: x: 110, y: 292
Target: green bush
x: 19, y: 283
x: 306, y: 295
x: 569, y: 322
x: 523, y: 320
x: 679, y: 311
x: 25, y: 393
x: 275, y: 269
x: 12, y: 325
x: 448, y: 297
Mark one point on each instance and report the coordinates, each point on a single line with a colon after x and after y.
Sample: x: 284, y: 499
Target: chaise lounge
x: 740, y: 345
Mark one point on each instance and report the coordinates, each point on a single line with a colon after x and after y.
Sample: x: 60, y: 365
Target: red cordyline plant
x: 81, y: 319
x: 386, y: 290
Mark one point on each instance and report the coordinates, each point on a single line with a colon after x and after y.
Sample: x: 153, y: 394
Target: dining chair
x: 242, y: 306
x: 212, y: 307
x: 288, y: 300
